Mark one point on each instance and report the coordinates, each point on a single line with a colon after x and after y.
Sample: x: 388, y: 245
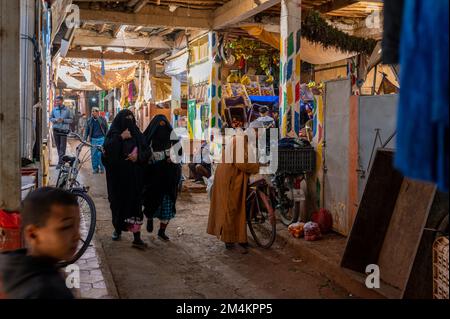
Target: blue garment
x: 423, y: 115
x: 96, y: 129
x: 61, y: 113
x: 96, y: 155
x: 166, y: 211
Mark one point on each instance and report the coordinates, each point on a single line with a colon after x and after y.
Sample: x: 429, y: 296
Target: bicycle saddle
x: 68, y: 159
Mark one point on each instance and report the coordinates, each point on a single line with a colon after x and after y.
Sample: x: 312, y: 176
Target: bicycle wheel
x: 88, y: 217
x: 261, y: 220
x: 285, y: 198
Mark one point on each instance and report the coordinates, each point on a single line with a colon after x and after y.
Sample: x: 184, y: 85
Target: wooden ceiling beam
x: 340, y: 4
x: 129, y: 40
x: 236, y: 11
x: 141, y: 4
x: 108, y: 55
x: 151, y: 16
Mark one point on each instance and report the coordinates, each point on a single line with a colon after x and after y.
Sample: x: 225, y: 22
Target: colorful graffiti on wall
x: 215, y: 84
x: 290, y: 67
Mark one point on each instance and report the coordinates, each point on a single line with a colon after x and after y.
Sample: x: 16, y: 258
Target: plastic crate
x: 10, y: 239
x: 296, y: 161
x: 440, y: 268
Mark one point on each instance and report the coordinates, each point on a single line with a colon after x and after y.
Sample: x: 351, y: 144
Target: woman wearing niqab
x: 162, y: 176
x: 123, y: 157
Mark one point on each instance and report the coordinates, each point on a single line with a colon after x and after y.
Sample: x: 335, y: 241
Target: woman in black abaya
x: 162, y: 176
x: 124, y: 153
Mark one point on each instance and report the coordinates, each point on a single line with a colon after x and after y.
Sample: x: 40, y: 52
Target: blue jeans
x: 96, y: 155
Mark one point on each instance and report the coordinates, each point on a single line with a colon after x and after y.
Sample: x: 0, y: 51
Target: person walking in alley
x: 95, y: 132
x: 227, y: 215
x: 124, y: 152
x: 162, y: 176
x: 61, y: 118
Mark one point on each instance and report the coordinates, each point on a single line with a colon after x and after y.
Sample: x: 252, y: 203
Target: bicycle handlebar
x: 78, y: 137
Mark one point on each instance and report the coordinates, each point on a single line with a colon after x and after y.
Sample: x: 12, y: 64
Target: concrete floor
x: 196, y: 265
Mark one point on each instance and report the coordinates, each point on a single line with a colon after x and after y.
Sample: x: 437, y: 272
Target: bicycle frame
x: 256, y: 190
x: 71, y: 172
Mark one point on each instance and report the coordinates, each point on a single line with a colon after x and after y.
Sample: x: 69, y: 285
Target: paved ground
x: 194, y: 264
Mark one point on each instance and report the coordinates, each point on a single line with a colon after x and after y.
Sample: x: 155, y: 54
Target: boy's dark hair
x: 36, y: 206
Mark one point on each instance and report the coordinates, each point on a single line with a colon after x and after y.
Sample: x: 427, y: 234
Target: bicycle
x: 68, y: 180
x: 260, y: 214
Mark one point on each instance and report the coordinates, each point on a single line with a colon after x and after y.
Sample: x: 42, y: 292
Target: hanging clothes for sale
x: 147, y: 85
x: 423, y: 118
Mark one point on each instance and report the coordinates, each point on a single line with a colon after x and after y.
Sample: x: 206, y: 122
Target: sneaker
x: 95, y: 172
x: 162, y: 235
x: 102, y: 171
x: 139, y: 244
x: 116, y: 236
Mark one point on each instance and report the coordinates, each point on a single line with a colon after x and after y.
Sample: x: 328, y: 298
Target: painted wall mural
x: 290, y: 65
x: 215, y: 84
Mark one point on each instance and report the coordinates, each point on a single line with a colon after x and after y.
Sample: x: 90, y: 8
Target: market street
x: 196, y: 265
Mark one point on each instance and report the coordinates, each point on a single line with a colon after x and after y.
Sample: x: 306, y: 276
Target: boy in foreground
x: 50, y: 226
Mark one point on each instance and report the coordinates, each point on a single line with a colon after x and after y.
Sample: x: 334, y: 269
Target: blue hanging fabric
x: 423, y: 116
x: 103, y: 67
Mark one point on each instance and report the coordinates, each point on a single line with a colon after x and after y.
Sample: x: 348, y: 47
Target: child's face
x: 60, y: 236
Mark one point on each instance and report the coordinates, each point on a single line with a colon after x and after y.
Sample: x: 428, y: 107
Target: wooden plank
x: 420, y: 283
x: 10, y: 179
x: 236, y: 11
x: 374, y: 213
x: 151, y: 16
x: 109, y: 55
x: 404, y: 232
x: 353, y: 160
x: 127, y: 40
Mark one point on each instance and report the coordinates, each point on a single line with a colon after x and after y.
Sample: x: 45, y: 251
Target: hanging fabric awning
x: 112, y: 78
x: 310, y: 52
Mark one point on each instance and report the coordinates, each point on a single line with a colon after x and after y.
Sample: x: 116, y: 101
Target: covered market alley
x: 317, y: 66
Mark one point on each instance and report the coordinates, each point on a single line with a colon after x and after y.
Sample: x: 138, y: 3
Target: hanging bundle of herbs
x: 317, y: 30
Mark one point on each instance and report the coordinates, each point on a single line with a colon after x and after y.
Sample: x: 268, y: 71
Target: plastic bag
x: 9, y: 220
x: 296, y: 229
x: 312, y: 231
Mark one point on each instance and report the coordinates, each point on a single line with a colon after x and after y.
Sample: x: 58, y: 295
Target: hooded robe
x: 124, y: 178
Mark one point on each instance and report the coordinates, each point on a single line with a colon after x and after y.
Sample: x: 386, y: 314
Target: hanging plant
x: 317, y: 30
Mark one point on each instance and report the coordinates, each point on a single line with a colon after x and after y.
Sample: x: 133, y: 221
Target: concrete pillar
x: 215, y: 84
x: 10, y: 177
x: 290, y: 67
x: 27, y: 77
